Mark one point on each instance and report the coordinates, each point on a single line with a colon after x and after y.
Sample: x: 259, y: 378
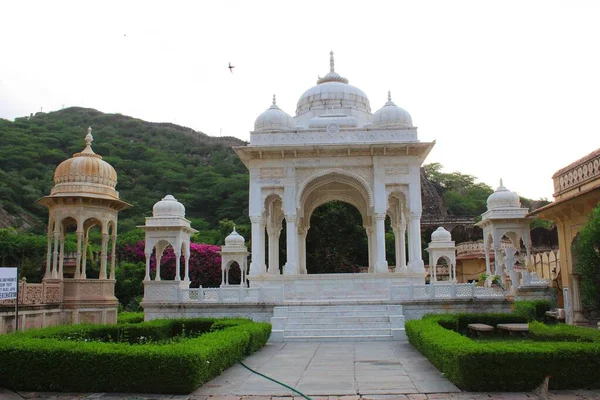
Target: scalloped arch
x: 335, y: 171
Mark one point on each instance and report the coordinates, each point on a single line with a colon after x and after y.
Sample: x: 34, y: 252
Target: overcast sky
x: 507, y: 89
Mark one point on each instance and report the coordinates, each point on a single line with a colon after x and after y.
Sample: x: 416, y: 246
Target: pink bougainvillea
x: 205, y: 263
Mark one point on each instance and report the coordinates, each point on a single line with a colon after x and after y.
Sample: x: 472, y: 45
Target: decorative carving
x: 583, y: 171
x: 396, y: 169
x: 271, y: 173
x: 331, y: 136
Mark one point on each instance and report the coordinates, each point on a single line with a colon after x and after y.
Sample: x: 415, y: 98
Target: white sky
x: 508, y: 89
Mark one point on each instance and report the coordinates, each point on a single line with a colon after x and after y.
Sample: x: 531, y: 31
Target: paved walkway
x: 325, y: 371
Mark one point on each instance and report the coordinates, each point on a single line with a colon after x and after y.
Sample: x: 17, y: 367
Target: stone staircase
x: 348, y: 322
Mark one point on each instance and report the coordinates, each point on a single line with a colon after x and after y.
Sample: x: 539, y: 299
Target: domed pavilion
x: 334, y: 149
x: 84, y: 197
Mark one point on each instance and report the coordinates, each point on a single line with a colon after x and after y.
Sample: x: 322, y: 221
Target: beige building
x: 576, y: 193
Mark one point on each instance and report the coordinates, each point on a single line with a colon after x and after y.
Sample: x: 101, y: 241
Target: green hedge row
x: 504, y: 366
x: 129, y: 317
x: 533, y: 310
x: 43, y: 361
x: 563, y: 333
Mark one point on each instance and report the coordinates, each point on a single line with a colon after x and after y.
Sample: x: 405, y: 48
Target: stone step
x: 347, y: 320
x: 337, y: 332
x: 334, y: 313
x: 339, y: 325
x: 359, y: 338
x: 344, y: 307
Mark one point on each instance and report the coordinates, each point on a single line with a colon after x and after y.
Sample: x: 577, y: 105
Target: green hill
x: 151, y: 159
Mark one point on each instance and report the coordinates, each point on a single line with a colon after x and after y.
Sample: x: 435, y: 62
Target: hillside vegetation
x: 151, y: 159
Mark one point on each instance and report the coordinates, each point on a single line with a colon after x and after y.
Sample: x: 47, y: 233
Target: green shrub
x: 563, y: 333
x: 128, y: 317
x: 533, y: 310
x: 510, y: 365
x: 170, y: 366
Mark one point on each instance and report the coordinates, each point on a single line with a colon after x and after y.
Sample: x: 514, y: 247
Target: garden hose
x: 273, y: 380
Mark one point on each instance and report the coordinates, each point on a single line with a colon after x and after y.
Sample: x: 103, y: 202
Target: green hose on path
x: 273, y: 380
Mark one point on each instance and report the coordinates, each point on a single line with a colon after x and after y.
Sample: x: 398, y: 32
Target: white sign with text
x: 8, y: 283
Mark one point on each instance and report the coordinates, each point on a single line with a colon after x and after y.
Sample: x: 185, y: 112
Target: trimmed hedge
x: 563, y: 333
x: 130, y: 317
x: 504, y: 366
x: 534, y: 310
x: 43, y: 360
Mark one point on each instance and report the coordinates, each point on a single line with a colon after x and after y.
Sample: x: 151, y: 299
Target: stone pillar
x: 291, y: 265
x: 55, y: 255
x: 113, y: 254
x: 402, y: 244
x: 371, y: 251
x: 433, y: 269
x: 177, y: 264
x: 103, y: 256
x: 381, y: 264
x: 577, y: 306
x: 488, y: 269
x: 257, y: 265
x: 78, y: 260
x: 274, y: 231
x: 186, y: 252
x: 147, y: 277
x: 61, y: 256
x: 303, y: 232
x: 414, y: 243
x: 48, y: 273
x: 497, y: 264
x: 84, y: 255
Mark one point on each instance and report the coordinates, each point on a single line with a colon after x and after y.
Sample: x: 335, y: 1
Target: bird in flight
x: 231, y: 67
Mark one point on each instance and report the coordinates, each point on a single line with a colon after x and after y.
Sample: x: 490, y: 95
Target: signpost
x: 9, y: 289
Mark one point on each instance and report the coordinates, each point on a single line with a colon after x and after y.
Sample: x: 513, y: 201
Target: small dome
x: 441, y: 235
x: 234, y: 239
x: 274, y: 119
x: 503, y: 198
x: 85, y: 173
x: 332, y: 92
x: 168, y: 207
x: 390, y: 115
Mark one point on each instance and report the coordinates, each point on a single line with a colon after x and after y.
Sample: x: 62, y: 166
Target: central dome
x: 332, y: 92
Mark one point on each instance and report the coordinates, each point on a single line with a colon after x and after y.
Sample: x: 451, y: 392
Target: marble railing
x: 467, y: 248
x: 443, y: 291
x: 578, y: 174
x: 233, y: 294
x: 37, y: 293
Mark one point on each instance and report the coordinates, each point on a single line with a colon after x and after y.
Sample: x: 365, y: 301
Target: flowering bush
x: 205, y: 263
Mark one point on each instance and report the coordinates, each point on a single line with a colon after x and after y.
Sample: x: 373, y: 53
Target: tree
x: 587, y: 254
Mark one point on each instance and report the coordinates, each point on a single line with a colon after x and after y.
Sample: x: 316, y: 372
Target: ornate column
x: 402, y: 245
x: 84, y: 255
x: 103, y: 256
x: 371, y: 252
x: 577, y: 306
x: 113, y: 253
x: 55, y: 254
x: 433, y: 269
x: 61, y: 256
x: 48, y: 273
x: 78, y: 260
x: 148, y: 256
x: 381, y: 264
x: 274, y: 231
x: 497, y: 263
x: 303, y: 232
x: 291, y: 265
x: 396, y: 231
x: 257, y: 265
x: 186, y: 252
x: 486, y: 250
x: 177, y: 252
x: 414, y: 243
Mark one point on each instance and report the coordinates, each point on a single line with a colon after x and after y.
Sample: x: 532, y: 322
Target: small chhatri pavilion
x: 83, y: 198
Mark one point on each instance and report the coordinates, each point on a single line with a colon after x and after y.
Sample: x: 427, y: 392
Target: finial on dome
x: 331, y: 62
x: 389, y: 95
x: 89, y: 138
x: 274, y: 100
x: 501, y: 185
